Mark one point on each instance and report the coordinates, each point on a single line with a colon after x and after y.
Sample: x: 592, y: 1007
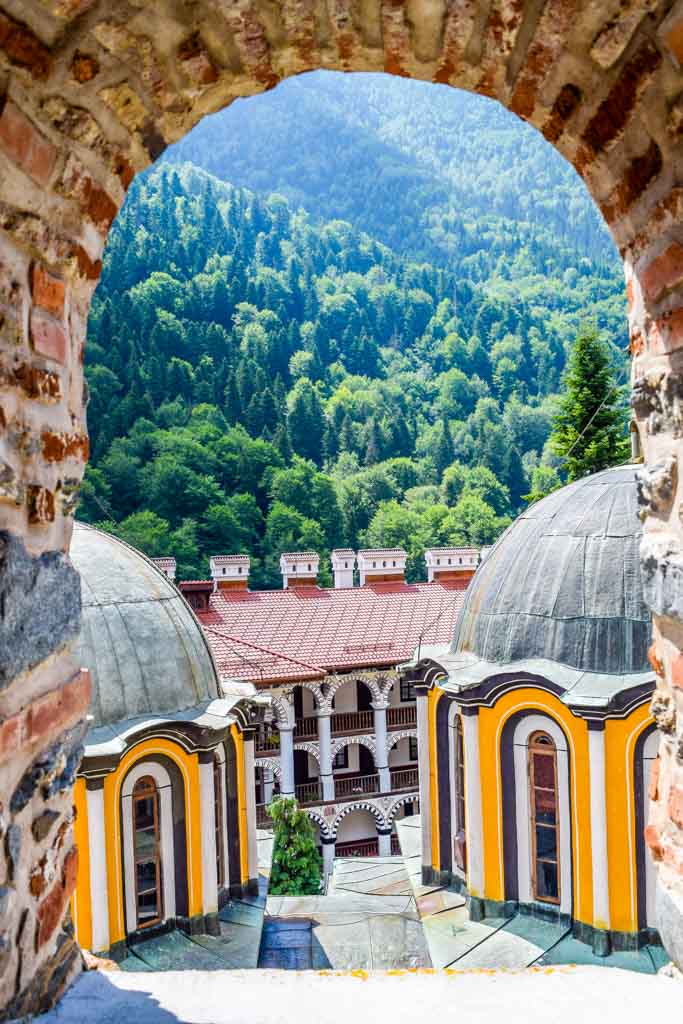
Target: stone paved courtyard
x: 368, y: 920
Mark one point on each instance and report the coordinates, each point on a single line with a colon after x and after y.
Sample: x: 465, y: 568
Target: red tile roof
x: 305, y: 632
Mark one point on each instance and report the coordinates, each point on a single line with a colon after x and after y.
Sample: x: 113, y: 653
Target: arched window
x: 545, y: 829
x: 147, y: 852
x: 218, y: 820
x: 460, y: 844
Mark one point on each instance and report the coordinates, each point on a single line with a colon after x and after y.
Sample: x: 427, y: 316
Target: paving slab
x: 435, y: 901
x: 237, y: 912
x: 451, y: 935
x: 571, y: 951
x: 176, y: 951
x: 519, y: 943
x: 562, y: 995
x: 345, y: 902
x: 237, y: 947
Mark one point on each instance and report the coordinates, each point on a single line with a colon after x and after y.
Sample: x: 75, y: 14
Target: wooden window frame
x: 342, y: 753
x: 459, y: 801
x: 412, y: 745
x: 144, y: 789
x: 542, y: 744
x: 407, y: 691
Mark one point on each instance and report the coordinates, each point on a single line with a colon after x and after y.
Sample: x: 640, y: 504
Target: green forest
x: 264, y: 378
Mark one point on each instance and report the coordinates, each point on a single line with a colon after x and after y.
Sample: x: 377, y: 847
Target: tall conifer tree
x: 589, y: 430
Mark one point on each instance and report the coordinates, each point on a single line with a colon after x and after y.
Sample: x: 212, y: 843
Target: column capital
x: 469, y: 710
x: 379, y: 705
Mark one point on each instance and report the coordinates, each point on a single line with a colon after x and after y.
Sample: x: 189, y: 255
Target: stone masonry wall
x: 91, y: 91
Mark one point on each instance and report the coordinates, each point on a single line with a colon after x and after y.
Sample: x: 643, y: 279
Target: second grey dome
x: 563, y: 583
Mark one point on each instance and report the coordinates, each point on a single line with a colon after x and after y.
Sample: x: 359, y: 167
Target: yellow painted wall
x: 80, y: 902
x: 241, y: 802
x: 620, y: 743
x: 435, y: 695
x: 491, y: 724
x: 189, y: 769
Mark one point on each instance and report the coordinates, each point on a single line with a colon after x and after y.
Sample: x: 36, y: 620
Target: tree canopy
x: 261, y: 378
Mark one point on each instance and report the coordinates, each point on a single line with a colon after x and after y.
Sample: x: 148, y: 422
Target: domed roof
x: 145, y: 649
x: 563, y: 583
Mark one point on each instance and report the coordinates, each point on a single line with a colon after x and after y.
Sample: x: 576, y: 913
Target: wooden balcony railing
x: 306, y: 728
x: 359, y: 848
x: 404, y: 778
x: 267, y: 740
x: 346, y: 722
x: 402, y: 717
x: 308, y: 793
x: 357, y: 784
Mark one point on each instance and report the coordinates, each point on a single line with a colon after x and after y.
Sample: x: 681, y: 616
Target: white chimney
x: 299, y: 568
x: 229, y: 572
x: 451, y: 564
x: 381, y: 565
x: 343, y: 564
x: 167, y: 566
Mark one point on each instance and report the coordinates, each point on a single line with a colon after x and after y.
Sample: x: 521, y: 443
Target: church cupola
x: 229, y: 572
x: 299, y: 569
x: 451, y: 565
x: 382, y: 565
x: 343, y: 564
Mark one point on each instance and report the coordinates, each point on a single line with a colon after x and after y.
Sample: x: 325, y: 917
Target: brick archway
x: 90, y: 93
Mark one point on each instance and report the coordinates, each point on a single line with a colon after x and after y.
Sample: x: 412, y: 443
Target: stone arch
x: 314, y: 688
x: 359, y: 805
x: 89, y: 101
x: 341, y: 681
x: 320, y: 821
x: 284, y: 715
x: 397, y: 805
x: 270, y: 764
x: 395, y: 737
x: 362, y: 741
x: 310, y: 748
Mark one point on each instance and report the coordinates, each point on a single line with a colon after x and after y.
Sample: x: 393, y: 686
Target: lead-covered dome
x: 563, y: 583
x: 145, y: 649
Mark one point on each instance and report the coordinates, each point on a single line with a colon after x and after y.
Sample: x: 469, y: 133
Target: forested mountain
x: 433, y: 172
x: 262, y: 380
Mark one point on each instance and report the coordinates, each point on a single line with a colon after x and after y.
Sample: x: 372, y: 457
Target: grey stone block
x: 40, y: 606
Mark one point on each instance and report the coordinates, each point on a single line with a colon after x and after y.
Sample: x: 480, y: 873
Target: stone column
x: 207, y: 813
x: 267, y: 785
x: 381, y: 756
x: 328, y: 843
x: 474, y: 835
x: 97, y: 851
x: 287, y: 760
x: 384, y: 837
x: 423, y: 759
x: 325, y: 753
x: 250, y: 787
x: 601, y: 917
